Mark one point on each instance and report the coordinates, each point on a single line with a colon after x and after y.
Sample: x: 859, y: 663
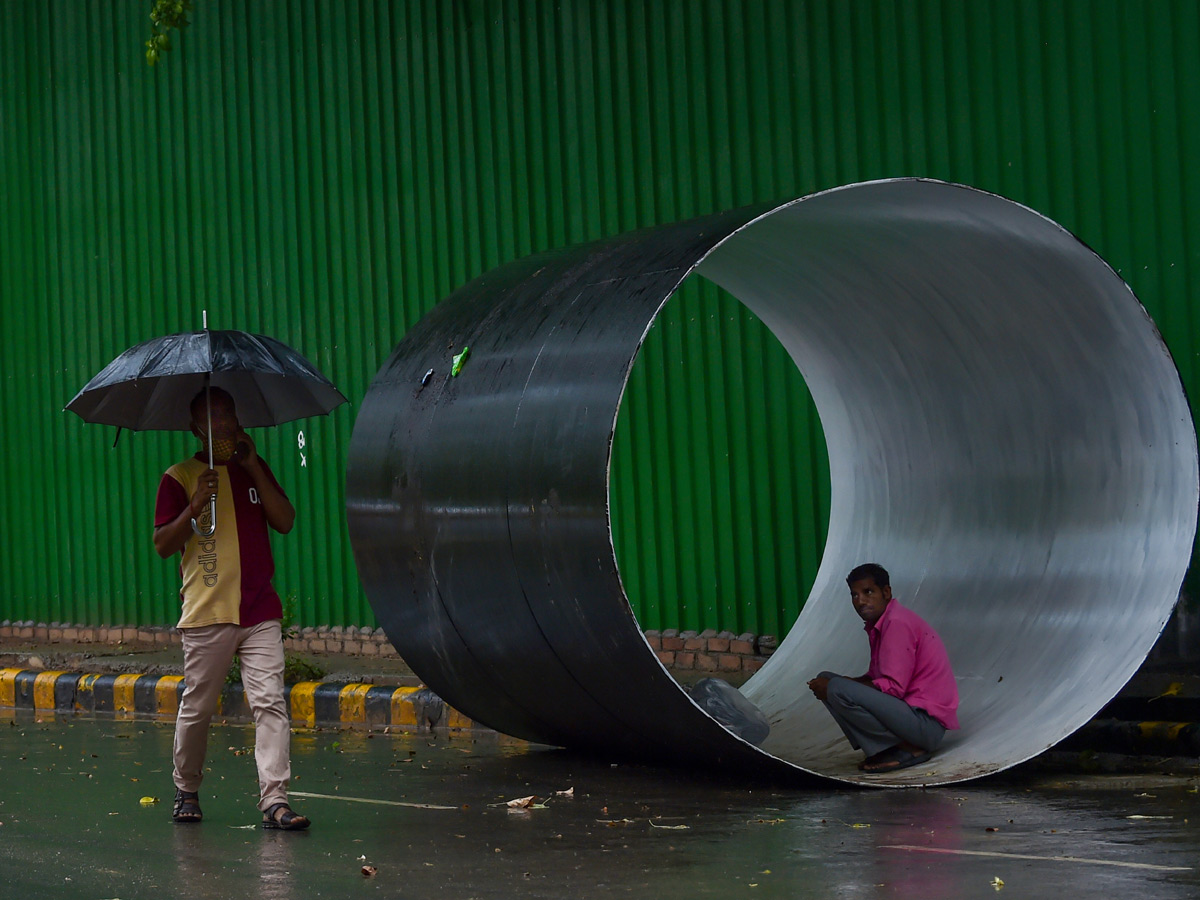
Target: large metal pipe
x: 1006, y: 432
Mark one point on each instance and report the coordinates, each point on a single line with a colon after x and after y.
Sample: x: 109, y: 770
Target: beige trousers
x: 207, y: 655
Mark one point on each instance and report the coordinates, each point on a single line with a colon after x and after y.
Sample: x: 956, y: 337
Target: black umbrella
x: 151, y: 386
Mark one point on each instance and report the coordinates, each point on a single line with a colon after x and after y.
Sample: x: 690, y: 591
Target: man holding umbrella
x: 229, y: 604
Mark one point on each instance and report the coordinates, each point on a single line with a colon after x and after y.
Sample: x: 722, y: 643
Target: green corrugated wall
x: 326, y: 172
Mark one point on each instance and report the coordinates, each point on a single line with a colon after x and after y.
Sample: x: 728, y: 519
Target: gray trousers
x: 874, y: 721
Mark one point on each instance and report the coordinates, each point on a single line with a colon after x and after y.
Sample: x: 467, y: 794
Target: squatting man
x: 899, y: 711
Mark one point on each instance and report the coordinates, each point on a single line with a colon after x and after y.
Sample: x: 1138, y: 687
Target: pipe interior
x: 1007, y: 435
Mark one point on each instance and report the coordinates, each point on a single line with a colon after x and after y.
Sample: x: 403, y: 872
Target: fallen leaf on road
x: 569, y: 793
x: 520, y: 803
x: 669, y: 827
x: 997, y: 883
x: 148, y: 801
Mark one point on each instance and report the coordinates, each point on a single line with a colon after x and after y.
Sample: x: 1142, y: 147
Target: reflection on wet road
x: 431, y: 816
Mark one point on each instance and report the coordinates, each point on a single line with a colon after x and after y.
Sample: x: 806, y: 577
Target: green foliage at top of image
x: 165, y: 15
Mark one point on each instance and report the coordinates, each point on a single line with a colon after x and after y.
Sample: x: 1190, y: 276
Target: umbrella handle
x: 212, y: 520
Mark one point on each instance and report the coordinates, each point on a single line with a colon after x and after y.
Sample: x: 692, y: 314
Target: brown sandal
x: 896, y: 758
x: 871, y: 760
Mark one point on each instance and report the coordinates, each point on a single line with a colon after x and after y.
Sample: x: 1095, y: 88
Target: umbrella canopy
x: 149, y: 387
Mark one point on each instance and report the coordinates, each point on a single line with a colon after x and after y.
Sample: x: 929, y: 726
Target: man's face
x: 869, y: 599
x: 225, y: 425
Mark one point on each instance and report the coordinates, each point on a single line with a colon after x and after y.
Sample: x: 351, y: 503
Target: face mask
x: 223, y: 450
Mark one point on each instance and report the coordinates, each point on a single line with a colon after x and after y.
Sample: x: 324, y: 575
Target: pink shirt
x: 909, y: 661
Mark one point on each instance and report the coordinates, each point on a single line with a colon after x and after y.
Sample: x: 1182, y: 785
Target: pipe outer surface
x: 1007, y: 434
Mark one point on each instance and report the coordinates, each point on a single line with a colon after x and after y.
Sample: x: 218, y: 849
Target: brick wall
x: 703, y: 651
x: 711, y: 651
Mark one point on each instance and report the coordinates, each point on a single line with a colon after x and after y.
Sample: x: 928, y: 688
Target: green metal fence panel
x: 720, y: 481
x: 325, y: 173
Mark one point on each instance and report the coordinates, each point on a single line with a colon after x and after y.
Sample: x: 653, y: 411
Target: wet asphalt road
x: 73, y: 826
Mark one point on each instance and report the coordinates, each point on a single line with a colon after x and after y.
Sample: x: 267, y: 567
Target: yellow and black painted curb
x: 330, y: 704
x: 312, y: 703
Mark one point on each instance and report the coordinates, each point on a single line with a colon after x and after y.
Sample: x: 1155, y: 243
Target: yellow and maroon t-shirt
x: 227, y: 576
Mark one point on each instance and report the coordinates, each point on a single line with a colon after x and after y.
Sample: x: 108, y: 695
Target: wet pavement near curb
x: 429, y: 814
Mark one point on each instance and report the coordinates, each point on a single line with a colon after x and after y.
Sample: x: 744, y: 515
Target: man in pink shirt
x: 899, y: 712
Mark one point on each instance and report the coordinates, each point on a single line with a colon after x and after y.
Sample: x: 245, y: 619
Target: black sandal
x: 187, y: 807
x: 285, y: 821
